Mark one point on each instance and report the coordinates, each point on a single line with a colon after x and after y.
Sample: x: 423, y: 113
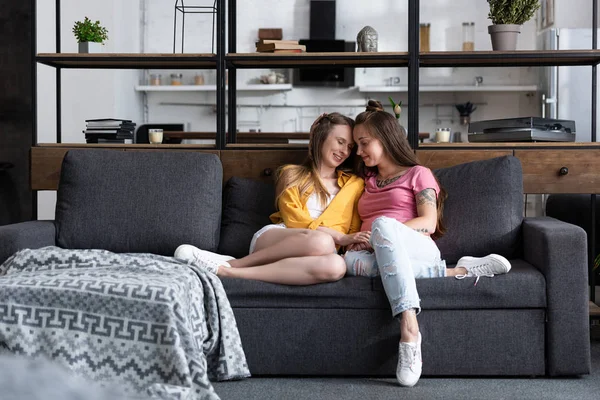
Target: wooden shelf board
x: 239, y: 135
x: 271, y: 60
x: 126, y: 146
x: 511, y: 145
x: 128, y: 60
x: 259, y: 146
x: 509, y: 58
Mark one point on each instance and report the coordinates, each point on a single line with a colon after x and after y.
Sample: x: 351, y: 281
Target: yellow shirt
x: 341, y: 214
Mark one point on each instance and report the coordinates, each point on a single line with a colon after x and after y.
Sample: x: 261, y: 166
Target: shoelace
x: 408, y: 356
x: 478, y: 271
x: 208, y: 264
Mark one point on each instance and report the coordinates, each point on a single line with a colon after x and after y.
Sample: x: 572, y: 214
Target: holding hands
x: 357, y: 241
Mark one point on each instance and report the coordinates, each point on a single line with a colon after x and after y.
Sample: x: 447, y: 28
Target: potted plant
x: 507, y: 17
x: 90, y: 35
x: 465, y: 110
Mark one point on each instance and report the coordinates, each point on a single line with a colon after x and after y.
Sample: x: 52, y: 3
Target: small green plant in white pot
x: 507, y: 17
x: 90, y: 35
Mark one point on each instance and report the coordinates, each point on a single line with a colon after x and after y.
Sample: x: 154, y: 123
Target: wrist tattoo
x: 423, y: 230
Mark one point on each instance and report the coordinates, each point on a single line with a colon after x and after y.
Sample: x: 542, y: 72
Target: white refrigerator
x: 566, y: 92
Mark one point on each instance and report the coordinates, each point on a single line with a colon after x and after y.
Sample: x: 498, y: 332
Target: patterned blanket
x: 149, y: 323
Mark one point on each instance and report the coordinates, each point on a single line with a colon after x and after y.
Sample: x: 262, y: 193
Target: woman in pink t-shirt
x: 402, y: 207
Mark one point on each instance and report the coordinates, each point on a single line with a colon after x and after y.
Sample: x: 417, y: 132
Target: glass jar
x: 468, y: 36
x: 442, y: 135
x: 199, y: 79
x: 424, y: 37
x: 176, y: 79
x: 155, y: 80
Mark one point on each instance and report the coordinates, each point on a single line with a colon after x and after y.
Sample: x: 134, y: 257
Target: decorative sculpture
x: 367, y: 39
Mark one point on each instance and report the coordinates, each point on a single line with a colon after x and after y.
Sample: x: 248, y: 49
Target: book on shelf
x: 108, y: 120
x: 284, y: 51
x: 271, y: 41
x: 102, y: 140
x: 279, y: 46
x: 106, y: 131
x: 119, y: 135
x: 109, y: 123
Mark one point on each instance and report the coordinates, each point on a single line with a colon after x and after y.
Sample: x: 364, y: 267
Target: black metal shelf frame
x: 228, y: 64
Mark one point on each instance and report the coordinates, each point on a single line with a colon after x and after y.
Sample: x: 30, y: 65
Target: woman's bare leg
x: 409, y: 327
x: 306, y: 270
x: 279, y: 244
x: 456, y: 271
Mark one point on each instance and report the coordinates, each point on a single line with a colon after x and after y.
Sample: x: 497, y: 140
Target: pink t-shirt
x: 396, y: 200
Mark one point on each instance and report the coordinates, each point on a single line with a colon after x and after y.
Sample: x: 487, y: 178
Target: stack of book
x: 279, y: 46
x: 109, y: 130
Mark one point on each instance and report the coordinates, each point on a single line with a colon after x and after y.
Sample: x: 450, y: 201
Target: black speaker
x: 322, y: 19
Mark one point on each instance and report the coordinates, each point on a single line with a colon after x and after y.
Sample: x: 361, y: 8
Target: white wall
x: 572, y: 13
x: 138, y: 25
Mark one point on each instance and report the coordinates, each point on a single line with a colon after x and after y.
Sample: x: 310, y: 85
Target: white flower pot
x: 90, y: 47
x: 504, y: 37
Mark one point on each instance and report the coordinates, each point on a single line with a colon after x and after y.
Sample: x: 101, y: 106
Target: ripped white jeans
x: 400, y: 256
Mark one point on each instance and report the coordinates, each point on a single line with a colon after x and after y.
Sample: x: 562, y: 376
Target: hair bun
x: 374, y: 105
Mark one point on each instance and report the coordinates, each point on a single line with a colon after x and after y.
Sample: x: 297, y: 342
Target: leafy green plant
x: 88, y: 31
x: 512, y: 12
x: 397, y: 107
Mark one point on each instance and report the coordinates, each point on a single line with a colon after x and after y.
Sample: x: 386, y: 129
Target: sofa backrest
x: 139, y: 201
x: 484, y: 209
x: 483, y: 212
x: 247, y: 205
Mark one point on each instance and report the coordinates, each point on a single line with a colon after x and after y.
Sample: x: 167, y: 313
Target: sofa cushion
x: 135, y: 201
x: 247, y: 205
x: 484, y: 209
x: 354, y: 292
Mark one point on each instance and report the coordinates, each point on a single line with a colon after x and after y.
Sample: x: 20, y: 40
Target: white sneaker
x: 410, y: 363
x: 189, y: 253
x: 489, y: 266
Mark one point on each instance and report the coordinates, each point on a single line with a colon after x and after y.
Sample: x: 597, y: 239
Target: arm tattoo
x: 426, y: 196
x: 422, y: 230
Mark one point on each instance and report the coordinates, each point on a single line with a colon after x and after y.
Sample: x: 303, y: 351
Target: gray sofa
x: 532, y: 321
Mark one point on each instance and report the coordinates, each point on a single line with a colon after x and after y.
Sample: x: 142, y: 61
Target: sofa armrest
x: 559, y: 250
x: 31, y: 234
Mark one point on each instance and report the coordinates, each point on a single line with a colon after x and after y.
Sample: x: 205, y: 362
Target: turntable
x: 525, y: 129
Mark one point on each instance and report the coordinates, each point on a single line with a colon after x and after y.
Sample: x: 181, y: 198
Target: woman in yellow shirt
x: 317, y: 214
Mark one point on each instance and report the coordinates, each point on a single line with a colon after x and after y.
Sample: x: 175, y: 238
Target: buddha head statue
x: 367, y: 39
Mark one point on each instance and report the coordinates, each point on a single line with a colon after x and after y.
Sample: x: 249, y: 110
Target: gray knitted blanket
x: 148, y: 323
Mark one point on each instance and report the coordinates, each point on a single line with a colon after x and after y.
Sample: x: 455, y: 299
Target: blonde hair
x: 386, y: 128
x: 306, y: 176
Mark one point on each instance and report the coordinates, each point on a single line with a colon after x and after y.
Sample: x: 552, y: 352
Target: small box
x: 270, y: 33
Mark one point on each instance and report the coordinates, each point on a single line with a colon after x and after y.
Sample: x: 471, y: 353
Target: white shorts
x: 261, y: 231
